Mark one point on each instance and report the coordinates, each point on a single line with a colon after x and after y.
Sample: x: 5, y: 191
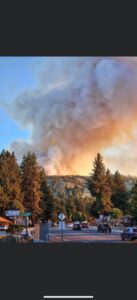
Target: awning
x: 4, y: 220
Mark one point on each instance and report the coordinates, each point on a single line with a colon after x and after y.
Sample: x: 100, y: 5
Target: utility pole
x: 26, y: 225
x: 62, y: 236
x: 47, y: 231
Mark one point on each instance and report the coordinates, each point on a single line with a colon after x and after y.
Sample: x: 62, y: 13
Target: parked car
x: 84, y: 224
x: 3, y: 227
x: 104, y: 227
x: 129, y: 234
x: 54, y: 224
x: 76, y: 226
x: 69, y: 225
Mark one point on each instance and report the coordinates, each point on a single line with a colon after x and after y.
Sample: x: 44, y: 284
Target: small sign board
x: 61, y: 216
x: 25, y: 214
x: 12, y: 213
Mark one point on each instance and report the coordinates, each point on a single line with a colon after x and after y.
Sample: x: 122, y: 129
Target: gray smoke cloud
x: 82, y: 106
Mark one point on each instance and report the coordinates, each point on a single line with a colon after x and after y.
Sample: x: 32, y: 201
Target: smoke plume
x: 82, y: 106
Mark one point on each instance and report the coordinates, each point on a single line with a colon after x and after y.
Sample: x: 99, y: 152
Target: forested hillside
x: 26, y: 186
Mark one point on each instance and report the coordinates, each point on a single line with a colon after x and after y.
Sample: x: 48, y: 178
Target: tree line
x: 25, y: 187
x: 21, y: 185
x: 110, y: 191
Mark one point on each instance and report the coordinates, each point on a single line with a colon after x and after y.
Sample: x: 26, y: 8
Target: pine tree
x: 70, y: 208
x: 48, y: 203
x: 90, y: 201
x: 120, y: 194
x: 99, y: 187
x: 109, y: 179
x: 30, y: 182
x: 61, y: 196
x: 10, y: 183
x: 78, y: 200
x: 133, y: 201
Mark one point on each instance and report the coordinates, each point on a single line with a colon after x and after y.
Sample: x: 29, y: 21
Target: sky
x: 16, y: 75
x: 67, y: 109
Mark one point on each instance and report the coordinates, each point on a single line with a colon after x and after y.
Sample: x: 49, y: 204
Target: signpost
x: 61, y: 225
x: 25, y: 221
x: 26, y: 215
x: 61, y: 217
x: 15, y: 214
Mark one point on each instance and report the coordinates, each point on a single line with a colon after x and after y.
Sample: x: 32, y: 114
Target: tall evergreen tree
x: 48, y: 203
x: 99, y: 187
x: 109, y: 179
x: 120, y: 194
x: 10, y: 183
x: 78, y: 200
x: 62, y: 200
x: 133, y: 201
x: 30, y: 182
x: 70, y: 208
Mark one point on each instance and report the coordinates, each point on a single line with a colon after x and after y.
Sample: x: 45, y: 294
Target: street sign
x: 61, y: 216
x: 12, y: 213
x: 61, y: 225
x: 25, y: 214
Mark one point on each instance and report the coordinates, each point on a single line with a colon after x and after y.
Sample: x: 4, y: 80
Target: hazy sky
x: 16, y: 75
x: 68, y: 109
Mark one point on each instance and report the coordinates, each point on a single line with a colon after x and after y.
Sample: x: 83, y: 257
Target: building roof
x: 4, y: 220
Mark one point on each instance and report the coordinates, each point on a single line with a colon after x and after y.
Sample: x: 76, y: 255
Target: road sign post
x: 61, y: 217
x: 26, y: 215
x: 26, y: 225
x: 62, y: 231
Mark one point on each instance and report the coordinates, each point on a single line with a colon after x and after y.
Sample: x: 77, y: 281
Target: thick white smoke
x: 83, y: 106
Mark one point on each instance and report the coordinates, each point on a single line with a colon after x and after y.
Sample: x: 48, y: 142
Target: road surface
x: 85, y: 236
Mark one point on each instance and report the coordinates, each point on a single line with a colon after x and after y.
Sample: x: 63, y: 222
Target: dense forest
x: 26, y: 187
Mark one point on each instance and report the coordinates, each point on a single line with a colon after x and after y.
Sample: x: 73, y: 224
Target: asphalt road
x: 85, y: 236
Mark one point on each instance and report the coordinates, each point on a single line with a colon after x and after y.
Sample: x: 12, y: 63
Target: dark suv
x: 129, y: 234
x: 84, y: 224
x: 104, y: 228
x: 76, y: 226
